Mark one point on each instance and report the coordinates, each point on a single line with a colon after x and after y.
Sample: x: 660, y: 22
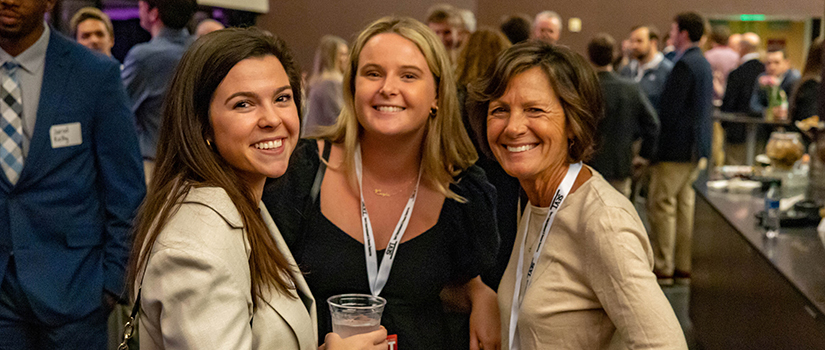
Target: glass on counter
x: 784, y: 149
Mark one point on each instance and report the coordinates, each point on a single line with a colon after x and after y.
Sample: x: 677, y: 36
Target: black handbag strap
x: 319, y: 175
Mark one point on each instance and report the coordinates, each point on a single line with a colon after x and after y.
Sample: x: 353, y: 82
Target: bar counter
x: 748, y: 292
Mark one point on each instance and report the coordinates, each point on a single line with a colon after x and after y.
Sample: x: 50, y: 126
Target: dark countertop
x: 797, y: 254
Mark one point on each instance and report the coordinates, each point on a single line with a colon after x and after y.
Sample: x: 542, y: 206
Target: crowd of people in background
x: 257, y: 178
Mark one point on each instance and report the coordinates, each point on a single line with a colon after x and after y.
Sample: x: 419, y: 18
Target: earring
x: 433, y: 112
x: 209, y: 143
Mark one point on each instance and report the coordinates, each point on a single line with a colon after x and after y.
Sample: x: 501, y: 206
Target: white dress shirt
x: 30, y: 76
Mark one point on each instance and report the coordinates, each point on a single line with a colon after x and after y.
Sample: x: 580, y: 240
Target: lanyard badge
x: 378, y: 277
x: 558, y: 199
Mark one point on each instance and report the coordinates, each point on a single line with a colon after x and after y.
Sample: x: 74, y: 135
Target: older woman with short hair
x: 580, y: 275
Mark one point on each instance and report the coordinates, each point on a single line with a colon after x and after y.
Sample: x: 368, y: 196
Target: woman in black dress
x: 395, y: 172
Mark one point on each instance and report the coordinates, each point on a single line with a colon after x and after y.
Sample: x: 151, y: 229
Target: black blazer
x: 737, y: 99
x: 628, y: 115
x: 685, y: 110
x: 741, y: 82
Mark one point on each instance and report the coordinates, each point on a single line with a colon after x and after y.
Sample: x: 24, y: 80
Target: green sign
x: 751, y: 18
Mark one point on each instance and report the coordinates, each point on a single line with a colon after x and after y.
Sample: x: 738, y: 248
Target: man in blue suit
x: 685, y: 112
x: 70, y: 184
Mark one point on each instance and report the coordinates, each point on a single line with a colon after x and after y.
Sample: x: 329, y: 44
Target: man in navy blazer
x: 684, y: 145
x: 65, y: 221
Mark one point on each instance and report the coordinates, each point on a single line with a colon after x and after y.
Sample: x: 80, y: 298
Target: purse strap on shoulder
x: 129, y: 327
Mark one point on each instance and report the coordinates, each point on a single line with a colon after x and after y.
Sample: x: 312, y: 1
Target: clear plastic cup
x: 355, y: 313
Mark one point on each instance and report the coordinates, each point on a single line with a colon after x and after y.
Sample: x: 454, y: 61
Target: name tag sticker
x: 65, y: 135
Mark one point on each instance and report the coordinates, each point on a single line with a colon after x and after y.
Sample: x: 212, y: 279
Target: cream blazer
x: 196, y: 287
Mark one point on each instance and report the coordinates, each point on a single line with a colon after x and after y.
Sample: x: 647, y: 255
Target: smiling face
x: 394, y: 88
x: 93, y: 34
x: 526, y: 127
x: 255, y: 120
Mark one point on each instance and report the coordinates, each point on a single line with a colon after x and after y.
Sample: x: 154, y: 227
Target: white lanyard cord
x: 378, y: 278
x: 558, y: 199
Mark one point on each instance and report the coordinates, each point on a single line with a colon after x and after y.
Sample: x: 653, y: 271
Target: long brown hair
x: 479, y: 54
x: 185, y: 160
x: 447, y: 150
x: 812, y: 71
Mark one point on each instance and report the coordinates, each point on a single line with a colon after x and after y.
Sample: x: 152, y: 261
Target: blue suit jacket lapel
x: 55, y: 76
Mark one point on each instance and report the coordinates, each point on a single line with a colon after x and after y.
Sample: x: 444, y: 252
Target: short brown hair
x: 445, y: 13
x: 570, y: 76
x: 720, y: 34
x: 91, y: 13
x: 600, y: 49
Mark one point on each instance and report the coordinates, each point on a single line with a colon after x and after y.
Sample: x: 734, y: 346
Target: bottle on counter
x: 771, y: 218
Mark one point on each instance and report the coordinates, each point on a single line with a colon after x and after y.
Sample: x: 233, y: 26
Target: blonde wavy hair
x: 446, y: 150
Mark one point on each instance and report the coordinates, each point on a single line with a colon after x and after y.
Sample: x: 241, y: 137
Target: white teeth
x: 269, y: 144
x: 520, y: 148
x: 389, y: 108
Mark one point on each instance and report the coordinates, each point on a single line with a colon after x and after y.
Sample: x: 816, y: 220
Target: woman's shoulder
x: 597, y: 194
x: 205, y: 218
x: 608, y: 218
x: 472, y: 183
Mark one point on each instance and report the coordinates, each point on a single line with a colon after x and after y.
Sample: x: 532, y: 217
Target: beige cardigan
x: 593, y: 287
x: 196, y: 290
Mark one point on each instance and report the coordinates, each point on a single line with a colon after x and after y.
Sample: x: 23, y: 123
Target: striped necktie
x: 11, y: 123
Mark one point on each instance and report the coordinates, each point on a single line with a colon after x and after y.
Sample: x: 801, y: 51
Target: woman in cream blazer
x: 190, y: 293
x: 212, y: 270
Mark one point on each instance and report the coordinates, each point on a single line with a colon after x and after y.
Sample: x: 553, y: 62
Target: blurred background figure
x: 648, y: 66
x: 148, y: 67
x: 628, y: 115
x: 325, y: 94
x: 516, y: 27
x: 734, y: 40
x: 669, y: 50
x: 476, y: 60
x: 686, y: 128
x: 93, y: 29
x: 804, y: 99
x: 208, y: 26
x: 778, y: 74
x: 547, y: 27
x: 468, y: 21
x: 738, y: 91
x: 447, y: 24
x: 722, y: 58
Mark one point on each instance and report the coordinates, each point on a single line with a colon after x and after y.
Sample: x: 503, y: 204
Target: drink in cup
x: 355, y: 313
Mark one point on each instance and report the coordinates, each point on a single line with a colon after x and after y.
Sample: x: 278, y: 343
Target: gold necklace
x: 381, y: 193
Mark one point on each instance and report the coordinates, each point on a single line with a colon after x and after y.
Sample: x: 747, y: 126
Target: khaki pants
x: 717, y: 145
x: 670, y: 212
